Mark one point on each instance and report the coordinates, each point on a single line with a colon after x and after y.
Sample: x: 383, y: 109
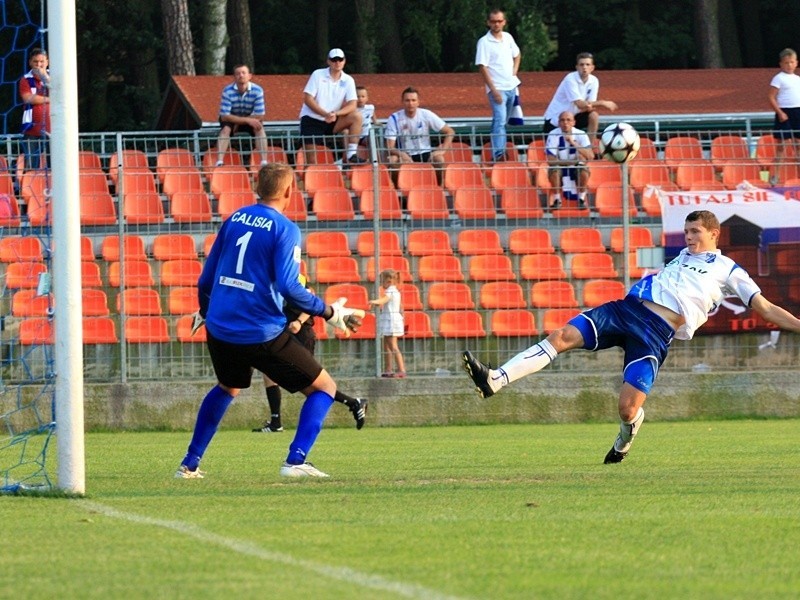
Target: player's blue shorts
x: 643, y: 335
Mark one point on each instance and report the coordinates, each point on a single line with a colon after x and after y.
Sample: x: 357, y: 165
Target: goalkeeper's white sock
x: 628, y: 431
x: 527, y: 362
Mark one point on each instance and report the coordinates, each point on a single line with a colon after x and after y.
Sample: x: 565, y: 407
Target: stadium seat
x: 513, y: 323
x: 530, y: 241
x: 230, y: 178
x: 521, y: 203
x: 687, y: 173
x: 132, y: 160
x: 462, y: 175
x: 174, y: 246
x: 638, y: 237
x: 25, y: 303
x: 274, y: 154
x: 209, y: 160
x: 190, y: 207
x: 734, y: 174
x: 459, y: 153
x: 138, y: 301
x: 92, y: 182
x: 336, y: 269
x: 556, y: 318
x: 608, y: 200
x: 648, y: 172
x: 96, y: 209
x: 312, y: 154
x: 478, y: 241
x: 9, y: 207
x: 474, y: 203
x: 180, y: 272
x: 389, y: 243
x: 447, y: 295
x: 367, y: 331
x: 176, y: 160
x: 726, y: 149
x: 501, y: 294
x: 600, y: 291
x: 461, y: 324
x: 99, y: 330
x: 146, y: 330
x: 427, y: 204
x: 650, y: 201
x: 592, y: 265
x: 418, y: 325
x: 647, y: 149
x: 35, y: 185
x: 440, y: 267
x: 327, y: 243
x: 87, y: 248
x: 333, y: 205
x: 581, y: 239
x: 509, y: 175
x: 634, y: 270
x: 357, y: 295
x: 297, y: 209
x: 208, y: 241
x: 182, y: 301
x: 89, y: 160
x: 491, y: 267
x: 541, y: 266
x: 553, y: 294
x: 410, y: 297
x: 427, y: 242
x: 362, y: 178
x: 388, y: 201
x: 229, y: 202
x: 36, y: 331
x: 511, y: 155
x: 183, y: 331
x: 398, y: 263
x: 90, y: 275
x: 141, y: 205
x: 137, y: 273
x: 132, y: 247
x: 323, y: 177
x: 603, y: 171
x: 24, y: 275
x: 182, y: 181
x: 682, y: 149
x: 536, y: 153
x: 416, y: 176
x: 17, y: 248
x: 94, y: 303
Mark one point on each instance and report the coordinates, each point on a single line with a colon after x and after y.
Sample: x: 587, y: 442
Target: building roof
x: 193, y: 102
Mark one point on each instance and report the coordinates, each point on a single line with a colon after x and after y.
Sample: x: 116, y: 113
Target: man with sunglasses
x: 330, y: 106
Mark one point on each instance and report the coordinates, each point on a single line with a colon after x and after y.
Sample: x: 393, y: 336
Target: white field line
x: 343, y: 574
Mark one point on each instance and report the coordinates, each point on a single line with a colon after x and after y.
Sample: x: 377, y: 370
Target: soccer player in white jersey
x: 671, y: 303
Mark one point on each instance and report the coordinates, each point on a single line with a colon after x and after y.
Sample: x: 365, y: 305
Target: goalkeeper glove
x: 197, y: 322
x: 345, y: 319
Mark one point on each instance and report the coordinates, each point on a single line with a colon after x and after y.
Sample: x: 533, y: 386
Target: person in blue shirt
x: 252, y: 267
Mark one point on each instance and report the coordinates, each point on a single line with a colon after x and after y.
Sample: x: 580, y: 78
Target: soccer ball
x: 619, y: 142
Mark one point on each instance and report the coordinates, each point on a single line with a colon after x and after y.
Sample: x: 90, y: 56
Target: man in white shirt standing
x: 578, y: 93
x: 671, y: 303
x: 408, y: 133
x: 329, y: 107
x: 497, y: 59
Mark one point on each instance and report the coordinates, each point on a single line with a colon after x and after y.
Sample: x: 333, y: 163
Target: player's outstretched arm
x: 775, y: 314
x: 342, y: 317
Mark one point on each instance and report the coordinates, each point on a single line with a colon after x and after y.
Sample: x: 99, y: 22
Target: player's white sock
x: 351, y: 150
x: 529, y: 361
x: 628, y: 431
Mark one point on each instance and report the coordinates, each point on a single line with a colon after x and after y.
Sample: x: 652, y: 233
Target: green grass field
x: 698, y: 510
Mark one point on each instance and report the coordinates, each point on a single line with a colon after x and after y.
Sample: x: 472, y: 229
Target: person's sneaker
x: 359, y: 410
x: 356, y: 160
x: 555, y: 202
x: 479, y: 373
x: 183, y: 472
x: 614, y: 456
x: 305, y: 469
x: 268, y: 427
x: 219, y: 163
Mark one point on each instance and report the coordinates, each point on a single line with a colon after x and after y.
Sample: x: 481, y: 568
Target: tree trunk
x: 708, y: 45
x: 391, y: 48
x: 321, y: 28
x: 729, y: 36
x: 365, y: 37
x: 241, y: 45
x: 178, y: 37
x: 215, y: 38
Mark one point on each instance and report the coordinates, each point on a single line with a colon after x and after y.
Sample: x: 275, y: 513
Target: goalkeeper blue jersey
x: 253, y: 265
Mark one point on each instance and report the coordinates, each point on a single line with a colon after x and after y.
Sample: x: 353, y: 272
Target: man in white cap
x: 329, y: 107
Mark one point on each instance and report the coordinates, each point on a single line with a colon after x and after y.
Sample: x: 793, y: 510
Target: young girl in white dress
x: 391, y: 324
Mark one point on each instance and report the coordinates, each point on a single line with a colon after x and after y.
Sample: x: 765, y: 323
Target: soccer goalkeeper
x: 253, y: 265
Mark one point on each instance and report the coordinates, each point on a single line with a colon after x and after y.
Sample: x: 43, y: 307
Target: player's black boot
x: 479, y: 373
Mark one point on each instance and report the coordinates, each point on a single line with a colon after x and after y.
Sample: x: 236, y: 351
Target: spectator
x: 254, y: 262
x: 671, y: 303
x: 367, y: 111
x: 330, y: 107
x: 567, y: 150
x: 408, y: 133
x: 390, y: 323
x: 498, y: 59
x: 242, y: 108
x: 578, y: 93
x: 784, y: 96
x: 34, y: 91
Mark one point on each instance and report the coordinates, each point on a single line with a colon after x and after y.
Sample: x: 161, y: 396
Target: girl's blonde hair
x: 390, y: 275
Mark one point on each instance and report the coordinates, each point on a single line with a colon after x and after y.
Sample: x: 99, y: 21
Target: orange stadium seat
x: 556, y: 318
x: 581, y: 239
x: 530, y: 241
x: 24, y: 275
x: 323, y: 177
x: 92, y: 182
x: 511, y: 155
x: 327, y: 243
x: 479, y: 241
x: 132, y: 247
x: 639, y: 237
x: 190, y: 207
x: 416, y: 176
x: 509, y: 175
x: 418, y: 325
x: 36, y: 331
x: 427, y: 204
x: 25, y: 303
x: 388, y: 202
x: 362, y: 178
x: 297, y: 209
x: 600, y: 291
x: 132, y: 160
x: 141, y: 204
x: 474, y: 203
x: 397, y: 263
x: 440, y: 267
x: 138, y: 301
x: 174, y: 160
x: 682, y: 149
x: 608, y: 200
x: 146, y: 330
x: 648, y: 172
x: 593, y: 265
x: 735, y: 173
x: 230, y: 178
x: 208, y: 241
x: 603, y: 171
x: 727, y: 149
x: 182, y: 301
x: 99, y: 330
x: 521, y: 203
x: 89, y: 160
x: 461, y: 324
x: 647, y: 149
x: 17, y: 248
x: 9, y: 207
x: 389, y: 243
x: 501, y: 294
x: 459, y: 153
x: 173, y: 246
x: 274, y: 154
x: 367, y: 331
x: 137, y: 273
x: 333, y: 205
x: 182, y: 181
x: 183, y: 331
x: 357, y: 295
x: 491, y: 267
x: 463, y: 175
x: 447, y: 295
x: 553, y: 294
x: 541, y: 266
x: 94, y: 303
x: 87, y: 248
x: 687, y: 173
x: 231, y: 201
x: 513, y: 323
x: 336, y: 269
x: 90, y: 274
x: 427, y: 242
x: 209, y: 160
x: 410, y: 296
x: 180, y: 272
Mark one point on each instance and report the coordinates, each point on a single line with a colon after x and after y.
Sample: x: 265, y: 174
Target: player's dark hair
x: 409, y: 90
x: 361, y: 87
x: 272, y: 180
x: 584, y: 55
x: 786, y: 52
x: 707, y: 219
